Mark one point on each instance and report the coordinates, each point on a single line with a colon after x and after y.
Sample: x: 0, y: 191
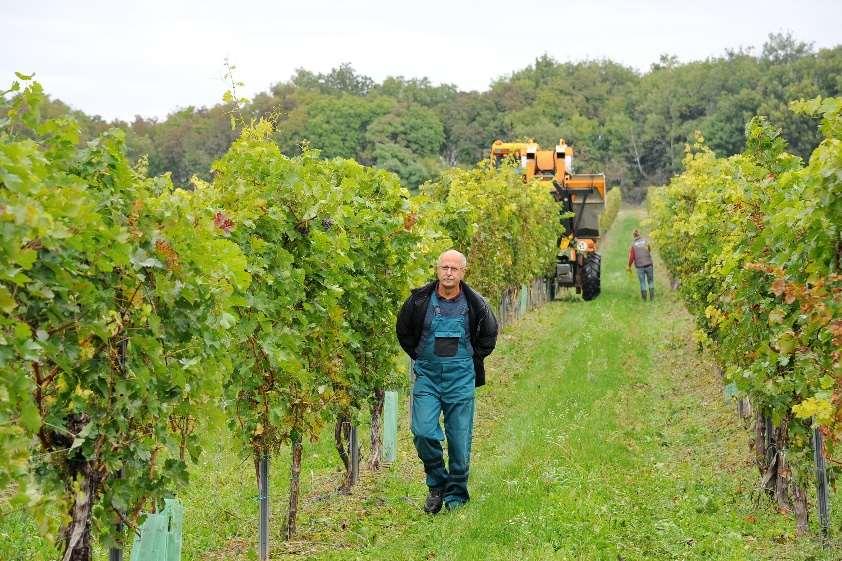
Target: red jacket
x: 646, y: 253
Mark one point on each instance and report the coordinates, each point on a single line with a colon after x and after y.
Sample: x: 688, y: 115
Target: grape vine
x: 756, y: 241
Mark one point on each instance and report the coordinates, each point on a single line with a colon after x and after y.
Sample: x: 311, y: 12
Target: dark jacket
x: 482, y: 325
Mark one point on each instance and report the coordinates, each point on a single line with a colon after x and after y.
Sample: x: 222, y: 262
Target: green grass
x: 19, y: 540
x: 601, y: 434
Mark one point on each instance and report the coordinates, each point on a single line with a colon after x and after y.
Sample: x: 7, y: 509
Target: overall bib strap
x: 448, y: 332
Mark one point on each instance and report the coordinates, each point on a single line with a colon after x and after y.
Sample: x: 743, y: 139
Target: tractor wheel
x: 590, y: 276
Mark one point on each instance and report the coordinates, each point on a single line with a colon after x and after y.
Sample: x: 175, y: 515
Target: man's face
x: 450, y: 271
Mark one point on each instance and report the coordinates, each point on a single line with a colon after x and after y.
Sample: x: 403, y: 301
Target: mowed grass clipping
x: 602, y: 434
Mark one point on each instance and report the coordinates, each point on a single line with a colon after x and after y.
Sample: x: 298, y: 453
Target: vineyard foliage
x: 756, y: 241
x: 331, y: 247
x: 114, y: 294
x: 508, y: 230
x: 613, y: 199
x: 131, y: 310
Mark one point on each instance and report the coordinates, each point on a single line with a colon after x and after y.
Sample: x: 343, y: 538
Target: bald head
x: 450, y: 255
x: 450, y: 270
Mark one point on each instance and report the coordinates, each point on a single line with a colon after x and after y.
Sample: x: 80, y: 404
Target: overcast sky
x: 118, y: 59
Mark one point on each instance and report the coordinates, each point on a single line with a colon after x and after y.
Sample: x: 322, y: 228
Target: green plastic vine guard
x: 524, y: 300
x: 390, y: 427
x: 159, y: 538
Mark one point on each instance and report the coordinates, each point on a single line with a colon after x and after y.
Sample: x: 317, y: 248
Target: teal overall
x: 444, y: 382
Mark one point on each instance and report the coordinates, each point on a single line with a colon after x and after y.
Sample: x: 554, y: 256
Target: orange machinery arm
x: 549, y: 164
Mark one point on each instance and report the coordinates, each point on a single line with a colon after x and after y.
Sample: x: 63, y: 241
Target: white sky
x: 150, y: 57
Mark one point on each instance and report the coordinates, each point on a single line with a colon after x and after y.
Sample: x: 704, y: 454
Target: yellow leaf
x: 786, y: 342
x: 86, y: 350
x: 821, y: 410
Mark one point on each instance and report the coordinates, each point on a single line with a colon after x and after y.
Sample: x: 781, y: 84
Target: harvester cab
x: 582, y: 200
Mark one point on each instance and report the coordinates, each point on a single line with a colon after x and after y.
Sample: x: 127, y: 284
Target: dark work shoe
x: 434, y: 501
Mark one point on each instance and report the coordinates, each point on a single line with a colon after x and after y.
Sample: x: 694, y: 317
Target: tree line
x: 633, y: 126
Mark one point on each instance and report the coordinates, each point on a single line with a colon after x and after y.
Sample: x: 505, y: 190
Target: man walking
x: 641, y: 255
x: 448, y: 329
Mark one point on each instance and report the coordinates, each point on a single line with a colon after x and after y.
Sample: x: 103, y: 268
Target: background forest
x: 631, y: 126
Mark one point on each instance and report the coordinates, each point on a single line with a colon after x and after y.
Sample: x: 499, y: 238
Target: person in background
x: 640, y: 254
x: 447, y: 328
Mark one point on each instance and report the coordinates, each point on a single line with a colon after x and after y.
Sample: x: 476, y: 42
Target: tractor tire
x: 590, y: 276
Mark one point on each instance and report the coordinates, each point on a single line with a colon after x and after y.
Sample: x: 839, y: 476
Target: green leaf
x: 29, y: 417
x: 827, y: 382
x: 226, y: 320
x: 786, y: 342
x: 7, y: 303
x: 142, y: 259
x: 26, y: 258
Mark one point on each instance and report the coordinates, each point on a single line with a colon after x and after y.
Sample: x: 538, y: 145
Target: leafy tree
x: 341, y: 80
x: 783, y: 47
x: 335, y: 125
x: 188, y: 141
x: 407, y: 141
x: 411, y: 126
x: 401, y: 161
x: 471, y: 124
x: 416, y: 90
x: 632, y: 126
